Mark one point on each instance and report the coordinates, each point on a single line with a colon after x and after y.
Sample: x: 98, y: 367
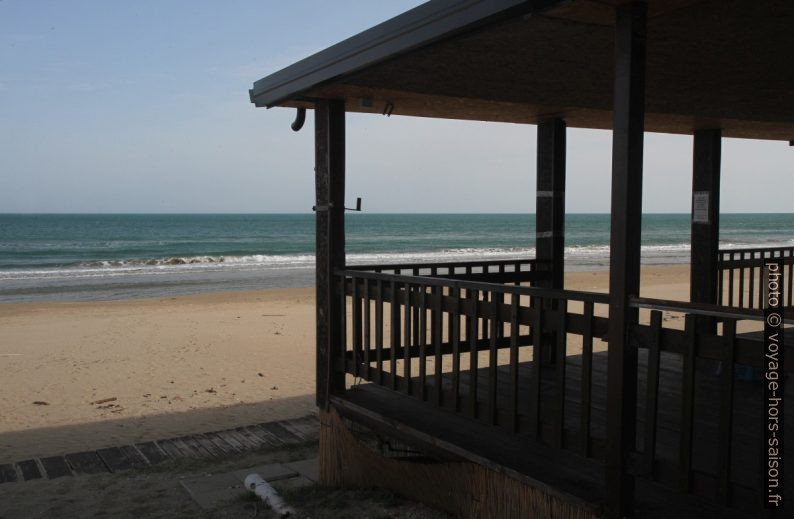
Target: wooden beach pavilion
x: 492, y: 390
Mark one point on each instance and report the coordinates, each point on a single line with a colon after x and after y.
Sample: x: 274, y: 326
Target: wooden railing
x: 493, y: 271
x: 532, y: 361
x: 713, y: 426
x: 452, y: 343
x: 742, y: 275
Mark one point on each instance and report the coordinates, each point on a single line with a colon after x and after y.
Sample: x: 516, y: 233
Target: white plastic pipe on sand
x: 268, y: 494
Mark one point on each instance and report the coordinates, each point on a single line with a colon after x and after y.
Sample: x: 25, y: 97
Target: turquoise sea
x: 95, y: 257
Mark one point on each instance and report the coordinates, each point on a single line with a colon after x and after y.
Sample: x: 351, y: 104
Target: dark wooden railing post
x: 329, y: 174
x: 705, y: 222
x: 624, y: 262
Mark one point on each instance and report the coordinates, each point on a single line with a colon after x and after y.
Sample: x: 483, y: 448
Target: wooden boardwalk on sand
x: 272, y: 435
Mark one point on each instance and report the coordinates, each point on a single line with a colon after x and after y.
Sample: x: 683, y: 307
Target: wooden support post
x: 624, y: 263
x: 329, y: 174
x: 703, y: 273
x: 550, y: 204
x: 550, y: 216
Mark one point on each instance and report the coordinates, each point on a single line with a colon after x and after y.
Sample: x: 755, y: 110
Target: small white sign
x: 700, y: 207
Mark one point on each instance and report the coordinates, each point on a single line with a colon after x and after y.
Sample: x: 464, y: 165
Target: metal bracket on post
x: 358, y: 206
x: 328, y: 206
x: 322, y: 207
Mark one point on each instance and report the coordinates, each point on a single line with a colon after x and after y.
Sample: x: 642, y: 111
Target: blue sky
x: 110, y: 106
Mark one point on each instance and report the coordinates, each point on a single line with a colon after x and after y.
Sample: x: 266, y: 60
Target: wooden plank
x: 624, y: 246
x: 253, y: 440
x: 455, y: 338
x: 245, y: 441
x: 55, y: 467
x: 514, y: 332
x: 187, y: 448
x: 170, y: 448
x: 724, y: 448
x: 652, y: 391
x: 115, y: 459
x: 356, y: 328
x: 367, y: 332
x: 394, y: 343
x: 292, y: 427
x: 281, y: 433
x: 208, y: 446
x: 492, y: 363
x: 436, y: 334
x: 687, y: 405
x: 154, y: 455
x: 8, y: 473
x: 195, y: 446
x: 586, y: 380
x: 379, y: 333
x: 407, y: 321
x: 87, y: 462
x: 266, y: 435
x: 750, y: 296
x: 559, y: 372
x: 422, y: 337
x: 329, y: 147
x: 741, y: 287
x: 29, y: 469
x: 473, y: 296
x: 344, y: 282
x: 536, y: 382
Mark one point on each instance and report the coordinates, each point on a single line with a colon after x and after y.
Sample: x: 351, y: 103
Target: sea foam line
x: 591, y: 254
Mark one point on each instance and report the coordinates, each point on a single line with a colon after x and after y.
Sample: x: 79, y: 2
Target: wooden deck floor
x: 747, y: 422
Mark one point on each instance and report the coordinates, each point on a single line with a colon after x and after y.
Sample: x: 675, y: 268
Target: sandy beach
x: 93, y: 374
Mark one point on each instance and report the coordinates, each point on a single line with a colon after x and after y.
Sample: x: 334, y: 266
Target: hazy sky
x: 111, y: 106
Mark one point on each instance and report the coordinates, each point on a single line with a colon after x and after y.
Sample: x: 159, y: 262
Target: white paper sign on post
x: 700, y: 207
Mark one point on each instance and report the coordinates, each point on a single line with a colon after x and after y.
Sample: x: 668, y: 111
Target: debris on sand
x: 104, y: 400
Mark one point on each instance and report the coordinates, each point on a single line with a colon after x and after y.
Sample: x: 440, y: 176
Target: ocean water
x: 97, y: 257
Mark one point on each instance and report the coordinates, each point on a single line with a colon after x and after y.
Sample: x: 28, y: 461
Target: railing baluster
x: 652, y: 392
x: 454, y: 336
x: 493, y: 359
x: 750, y: 296
x: 726, y: 412
x: 559, y: 368
x: 730, y: 287
x: 473, y: 352
x: 537, y: 358
x: 586, y: 378
x: 423, y: 344
x: 741, y: 286
x: 791, y: 282
x: 356, y: 329
x: 367, y: 332
x: 407, y: 340
x: 436, y: 326
x: 343, y: 323
x: 514, y: 333
x: 379, y: 332
x: 687, y: 404
x: 395, y: 333
x: 761, y: 281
